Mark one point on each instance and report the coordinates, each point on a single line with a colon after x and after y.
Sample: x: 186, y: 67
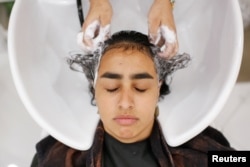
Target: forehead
x: 120, y: 59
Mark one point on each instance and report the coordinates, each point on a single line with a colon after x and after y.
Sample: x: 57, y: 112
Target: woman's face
x: 126, y: 92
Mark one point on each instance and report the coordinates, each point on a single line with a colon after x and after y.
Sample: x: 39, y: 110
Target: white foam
x: 104, y: 32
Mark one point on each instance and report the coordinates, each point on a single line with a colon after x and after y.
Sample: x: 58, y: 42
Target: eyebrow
x: 144, y: 75
x: 111, y: 75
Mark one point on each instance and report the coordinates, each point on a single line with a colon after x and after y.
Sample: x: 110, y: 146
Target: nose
x: 126, y: 100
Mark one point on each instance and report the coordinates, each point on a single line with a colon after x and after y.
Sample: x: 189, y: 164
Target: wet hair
x: 128, y: 40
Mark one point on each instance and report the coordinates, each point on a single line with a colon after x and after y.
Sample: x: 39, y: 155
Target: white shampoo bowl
x: 43, y: 32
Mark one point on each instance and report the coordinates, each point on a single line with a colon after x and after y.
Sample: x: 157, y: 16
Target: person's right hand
x: 162, y: 30
x: 96, y: 27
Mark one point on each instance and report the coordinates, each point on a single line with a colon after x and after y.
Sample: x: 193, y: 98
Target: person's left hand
x: 162, y: 30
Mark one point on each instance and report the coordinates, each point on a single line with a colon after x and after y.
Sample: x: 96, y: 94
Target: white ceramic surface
x: 43, y: 32
x: 233, y: 121
x: 19, y: 133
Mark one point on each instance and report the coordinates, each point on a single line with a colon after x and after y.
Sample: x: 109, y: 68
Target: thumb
x: 154, y: 33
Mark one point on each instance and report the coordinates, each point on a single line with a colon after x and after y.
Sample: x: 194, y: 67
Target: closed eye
x: 112, y: 90
x: 140, y: 90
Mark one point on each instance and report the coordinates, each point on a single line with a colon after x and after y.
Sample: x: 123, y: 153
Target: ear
x: 159, y: 87
x: 159, y: 84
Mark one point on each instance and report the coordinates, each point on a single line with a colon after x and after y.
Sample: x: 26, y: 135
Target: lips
x: 125, y: 120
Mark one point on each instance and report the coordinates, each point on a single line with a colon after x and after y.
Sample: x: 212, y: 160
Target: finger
x: 155, y: 38
x: 85, y: 39
x: 168, y: 34
x: 160, y: 42
x: 170, y: 47
x: 153, y: 23
x: 168, y: 50
x: 91, y: 45
x: 90, y: 33
x: 104, y: 34
x: 106, y: 31
x: 85, y: 46
x: 88, y: 20
x: 153, y: 30
x: 92, y: 30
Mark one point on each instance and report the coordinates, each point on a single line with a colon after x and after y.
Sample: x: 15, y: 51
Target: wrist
x: 99, y: 3
x: 168, y: 2
x: 172, y: 2
x: 94, y: 1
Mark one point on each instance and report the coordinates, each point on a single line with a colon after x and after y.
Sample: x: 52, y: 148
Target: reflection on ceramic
x: 234, y: 118
x: 42, y: 33
x: 19, y: 133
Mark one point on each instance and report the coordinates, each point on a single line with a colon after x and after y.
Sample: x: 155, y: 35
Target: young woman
x: 127, y: 79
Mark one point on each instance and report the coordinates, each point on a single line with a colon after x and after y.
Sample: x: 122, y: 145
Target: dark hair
x: 129, y: 40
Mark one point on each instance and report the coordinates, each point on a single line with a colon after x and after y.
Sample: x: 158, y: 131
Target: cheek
x: 148, y: 107
x: 103, y: 99
x: 104, y: 104
x: 153, y: 96
x: 104, y: 111
x: 148, y: 103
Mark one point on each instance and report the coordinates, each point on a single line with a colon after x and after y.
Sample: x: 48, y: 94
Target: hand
x: 96, y: 27
x: 162, y: 31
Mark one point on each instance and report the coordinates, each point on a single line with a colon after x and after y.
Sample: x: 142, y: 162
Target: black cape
x: 52, y: 153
